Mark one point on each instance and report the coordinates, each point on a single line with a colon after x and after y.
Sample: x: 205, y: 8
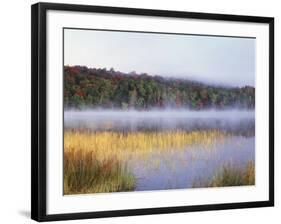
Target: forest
x: 107, y: 88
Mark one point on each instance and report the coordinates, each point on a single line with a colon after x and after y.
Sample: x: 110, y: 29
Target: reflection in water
x: 172, y: 168
x: 232, y: 120
x: 181, y: 169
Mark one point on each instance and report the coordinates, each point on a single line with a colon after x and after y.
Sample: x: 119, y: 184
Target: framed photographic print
x: 140, y: 111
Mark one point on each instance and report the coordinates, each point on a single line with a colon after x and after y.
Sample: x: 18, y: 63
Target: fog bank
x: 117, y: 120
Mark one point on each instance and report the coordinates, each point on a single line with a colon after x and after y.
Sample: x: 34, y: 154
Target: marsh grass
x: 84, y: 173
x: 107, y: 144
x: 231, y: 176
x: 97, y: 161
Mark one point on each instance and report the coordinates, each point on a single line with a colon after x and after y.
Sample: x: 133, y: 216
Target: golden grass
x: 84, y: 173
x: 118, y: 144
x: 97, y: 161
x: 231, y: 176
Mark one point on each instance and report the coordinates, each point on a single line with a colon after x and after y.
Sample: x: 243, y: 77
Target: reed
x: 231, y: 176
x: 84, y: 173
x: 97, y: 161
x: 106, y: 144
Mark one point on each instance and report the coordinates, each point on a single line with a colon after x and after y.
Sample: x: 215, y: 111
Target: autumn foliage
x: 91, y: 87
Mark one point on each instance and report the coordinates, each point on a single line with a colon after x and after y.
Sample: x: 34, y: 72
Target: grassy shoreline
x: 96, y: 162
x: 106, y: 144
x: 84, y: 173
x: 230, y: 176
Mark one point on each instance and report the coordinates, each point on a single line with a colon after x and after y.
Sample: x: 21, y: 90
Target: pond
x: 197, y: 162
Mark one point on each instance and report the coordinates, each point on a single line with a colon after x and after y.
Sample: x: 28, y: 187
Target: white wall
x: 15, y: 109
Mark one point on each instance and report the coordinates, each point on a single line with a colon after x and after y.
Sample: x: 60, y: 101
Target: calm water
x: 181, y: 169
x: 177, y: 168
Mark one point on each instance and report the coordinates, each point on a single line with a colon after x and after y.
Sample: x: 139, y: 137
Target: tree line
x: 107, y: 88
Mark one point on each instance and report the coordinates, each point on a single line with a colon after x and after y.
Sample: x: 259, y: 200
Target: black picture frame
x: 38, y: 110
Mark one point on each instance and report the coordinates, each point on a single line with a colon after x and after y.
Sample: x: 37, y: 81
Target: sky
x: 216, y: 60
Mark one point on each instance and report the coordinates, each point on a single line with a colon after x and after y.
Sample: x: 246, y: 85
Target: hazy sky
x: 218, y: 60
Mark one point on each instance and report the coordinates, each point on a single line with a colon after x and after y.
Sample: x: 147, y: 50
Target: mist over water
x: 175, y: 169
x: 241, y: 121
x: 160, y: 137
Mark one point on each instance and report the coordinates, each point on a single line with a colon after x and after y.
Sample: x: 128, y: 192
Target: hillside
x: 96, y: 88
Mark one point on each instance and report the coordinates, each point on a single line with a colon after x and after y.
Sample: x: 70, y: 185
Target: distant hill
x: 90, y: 87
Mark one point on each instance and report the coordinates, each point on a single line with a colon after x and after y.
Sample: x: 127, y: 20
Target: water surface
x: 177, y: 168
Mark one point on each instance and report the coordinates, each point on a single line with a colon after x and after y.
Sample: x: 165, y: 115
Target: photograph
x: 141, y: 111
x: 150, y: 111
